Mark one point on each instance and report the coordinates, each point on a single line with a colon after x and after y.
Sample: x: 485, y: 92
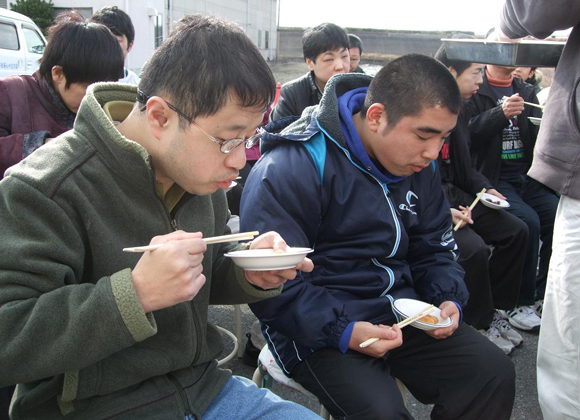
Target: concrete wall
x: 379, y: 42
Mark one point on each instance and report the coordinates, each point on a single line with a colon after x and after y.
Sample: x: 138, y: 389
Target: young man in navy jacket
x: 354, y: 179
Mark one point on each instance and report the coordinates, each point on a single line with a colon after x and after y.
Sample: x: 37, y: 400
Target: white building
x: 152, y: 20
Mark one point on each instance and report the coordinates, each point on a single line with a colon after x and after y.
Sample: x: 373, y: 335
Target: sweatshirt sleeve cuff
x: 460, y: 311
x: 345, y: 338
x: 140, y: 325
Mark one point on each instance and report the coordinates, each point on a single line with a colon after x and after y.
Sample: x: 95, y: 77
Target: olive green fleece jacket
x: 73, y: 334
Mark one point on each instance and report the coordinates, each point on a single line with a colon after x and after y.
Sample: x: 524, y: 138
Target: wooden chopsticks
x: 425, y: 311
x: 458, y: 225
x: 533, y: 104
x: 527, y: 103
x: 210, y: 240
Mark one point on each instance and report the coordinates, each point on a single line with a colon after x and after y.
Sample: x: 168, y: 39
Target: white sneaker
x: 522, y: 317
x: 538, y: 307
x: 494, y: 336
x: 504, y: 329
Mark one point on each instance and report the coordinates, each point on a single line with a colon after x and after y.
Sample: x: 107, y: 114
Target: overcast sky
x: 428, y: 15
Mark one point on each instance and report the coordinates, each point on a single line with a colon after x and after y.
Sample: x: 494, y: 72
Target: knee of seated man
x: 499, y: 369
x: 474, y: 251
x: 376, y: 408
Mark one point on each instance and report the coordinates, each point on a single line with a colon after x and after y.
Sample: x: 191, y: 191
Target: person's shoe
x: 523, y: 318
x: 538, y: 307
x: 251, y: 353
x: 494, y: 336
x: 504, y: 329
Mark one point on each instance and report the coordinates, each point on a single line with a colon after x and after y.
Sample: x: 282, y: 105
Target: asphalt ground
x: 526, y: 405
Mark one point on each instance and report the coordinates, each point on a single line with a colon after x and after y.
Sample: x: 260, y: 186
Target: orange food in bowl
x: 429, y: 319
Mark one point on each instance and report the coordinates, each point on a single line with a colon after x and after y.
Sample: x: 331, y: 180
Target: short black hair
x: 117, y: 21
x: 411, y: 83
x: 459, y: 66
x: 87, y: 52
x: 355, y: 42
x: 321, y: 38
x: 206, y: 61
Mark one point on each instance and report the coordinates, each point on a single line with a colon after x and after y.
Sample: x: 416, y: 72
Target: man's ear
x: 129, y: 47
x: 453, y: 71
x: 374, y: 115
x: 57, y: 73
x: 157, y: 114
x: 310, y: 64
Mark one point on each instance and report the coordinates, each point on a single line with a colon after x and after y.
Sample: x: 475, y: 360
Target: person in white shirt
x: 121, y: 26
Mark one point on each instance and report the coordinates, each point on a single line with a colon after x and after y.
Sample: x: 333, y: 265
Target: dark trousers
x: 536, y: 205
x: 493, y: 281
x: 5, y: 397
x: 465, y: 376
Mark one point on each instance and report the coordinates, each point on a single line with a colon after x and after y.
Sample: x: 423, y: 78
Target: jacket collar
x: 59, y: 109
x: 518, y: 84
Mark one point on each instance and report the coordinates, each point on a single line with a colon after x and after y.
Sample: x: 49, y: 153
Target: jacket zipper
x: 184, y: 405
x: 385, y: 189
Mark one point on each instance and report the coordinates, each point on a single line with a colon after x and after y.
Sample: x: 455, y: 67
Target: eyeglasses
x: 226, y: 146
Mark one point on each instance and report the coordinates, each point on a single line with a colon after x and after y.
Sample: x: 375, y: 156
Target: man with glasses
x: 90, y: 332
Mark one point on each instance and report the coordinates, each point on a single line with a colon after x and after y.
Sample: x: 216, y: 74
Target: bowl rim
x: 291, y: 251
x: 425, y: 324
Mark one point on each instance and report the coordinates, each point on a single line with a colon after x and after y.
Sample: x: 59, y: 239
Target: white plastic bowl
x: 409, y: 307
x: 267, y: 259
x: 535, y: 120
x: 232, y: 185
x: 489, y: 200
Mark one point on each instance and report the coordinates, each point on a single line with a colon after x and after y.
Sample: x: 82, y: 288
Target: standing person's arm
x: 538, y: 18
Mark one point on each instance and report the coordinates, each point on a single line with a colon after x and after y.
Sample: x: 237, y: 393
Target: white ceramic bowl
x: 491, y: 201
x: 409, y: 307
x: 267, y: 259
x: 535, y: 120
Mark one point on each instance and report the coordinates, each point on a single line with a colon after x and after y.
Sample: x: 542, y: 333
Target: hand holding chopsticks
x: 425, y: 311
x: 212, y: 240
x: 458, y: 225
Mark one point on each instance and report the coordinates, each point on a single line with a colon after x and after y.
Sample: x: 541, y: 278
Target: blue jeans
x: 536, y: 205
x: 242, y: 399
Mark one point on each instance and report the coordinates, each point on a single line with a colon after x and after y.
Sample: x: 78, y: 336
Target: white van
x: 21, y: 44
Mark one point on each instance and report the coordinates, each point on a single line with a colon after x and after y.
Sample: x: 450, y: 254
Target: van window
x: 34, y: 42
x: 8, y: 37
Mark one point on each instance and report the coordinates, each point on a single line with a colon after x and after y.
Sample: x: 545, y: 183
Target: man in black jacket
x: 502, y: 144
x: 325, y: 49
x: 493, y: 281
